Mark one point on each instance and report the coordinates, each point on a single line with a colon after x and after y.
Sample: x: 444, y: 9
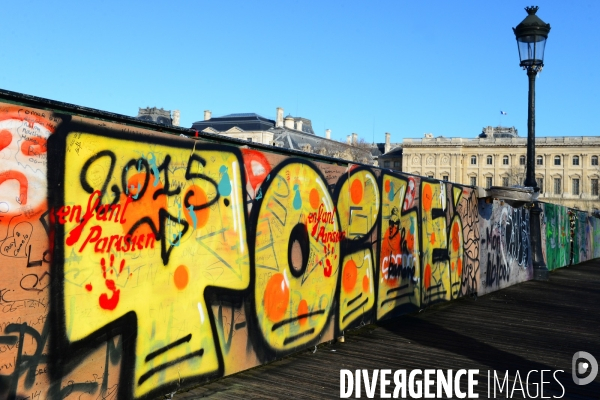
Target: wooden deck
x: 530, y: 326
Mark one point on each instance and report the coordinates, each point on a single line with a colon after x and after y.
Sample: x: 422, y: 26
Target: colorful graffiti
x: 595, y: 233
x: 506, y: 256
x: 582, y: 237
x: 555, y: 222
x: 136, y: 263
x: 399, y: 284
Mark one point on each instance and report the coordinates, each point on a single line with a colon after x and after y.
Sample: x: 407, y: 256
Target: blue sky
x: 445, y: 67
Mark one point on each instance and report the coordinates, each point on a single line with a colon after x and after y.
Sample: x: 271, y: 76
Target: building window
x: 505, y: 160
x: 539, y: 160
x: 594, y: 160
x: 473, y: 181
x: 396, y: 164
x: 473, y: 160
x: 575, y: 186
x: 594, y: 187
x: 488, y: 181
x: 489, y: 160
x: 521, y: 160
x: 249, y: 139
x: 444, y: 177
x: 557, y: 160
x: 386, y: 164
x: 557, y: 186
x: 540, y: 184
x: 430, y: 176
x: 575, y: 160
x: 505, y: 181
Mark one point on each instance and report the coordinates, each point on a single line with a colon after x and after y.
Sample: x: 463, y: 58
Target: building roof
x: 153, y: 114
x: 377, y: 149
x: 244, y: 121
x: 306, y: 125
x: 303, y: 139
x: 394, y: 153
x: 499, y: 132
x: 297, y: 140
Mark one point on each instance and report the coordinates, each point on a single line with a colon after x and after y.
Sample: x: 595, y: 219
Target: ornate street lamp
x: 531, y: 36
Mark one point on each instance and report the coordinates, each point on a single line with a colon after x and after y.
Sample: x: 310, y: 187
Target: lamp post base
x: 540, y: 270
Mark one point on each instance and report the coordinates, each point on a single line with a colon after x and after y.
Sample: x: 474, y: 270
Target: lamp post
x: 531, y: 36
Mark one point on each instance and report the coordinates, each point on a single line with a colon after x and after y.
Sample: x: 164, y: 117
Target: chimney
x: 289, y: 122
x: 354, y: 139
x: 387, y: 143
x: 328, y: 133
x: 175, y: 119
x: 279, y: 118
x: 207, y: 115
x: 299, y: 125
x: 348, y: 139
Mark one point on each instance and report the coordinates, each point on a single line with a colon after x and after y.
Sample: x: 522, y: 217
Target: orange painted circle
x: 356, y: 191
x: 427, y: 277
x: 302, y: 310
x: 134, y: 183
x: 181, y: 277
x: 349, y: 276
x: 387, y: 186
x: 34, y: 146
x: 277, y: 298
x: 427, y: 197
x: 459, y: 267
x: 145, y: 206
x: 314, y: 198
x: 197, y: 199
x: 365, y: 283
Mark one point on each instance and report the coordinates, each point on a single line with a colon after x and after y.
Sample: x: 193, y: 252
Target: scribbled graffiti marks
x: 192, y: 202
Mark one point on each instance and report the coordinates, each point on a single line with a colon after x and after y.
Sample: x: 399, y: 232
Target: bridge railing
x: 136, y: 261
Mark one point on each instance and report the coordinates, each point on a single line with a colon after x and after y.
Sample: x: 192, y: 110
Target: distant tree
x: 362, y: 144
x: 516, y: 176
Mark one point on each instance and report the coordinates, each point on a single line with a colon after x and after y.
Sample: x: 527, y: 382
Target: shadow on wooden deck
x: 531, y: 326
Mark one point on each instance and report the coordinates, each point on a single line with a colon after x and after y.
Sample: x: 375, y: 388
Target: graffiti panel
x: 504, y: 246
x: 160, y: 224
x: 358, y: 204
x: 25, y: 252
x: 466, y: 206
x: 436, y: 285
x: 558, y: 245
x: 399, y: 284
x: 298, y: 243
x: 582, y: 237
x: 595, y: 229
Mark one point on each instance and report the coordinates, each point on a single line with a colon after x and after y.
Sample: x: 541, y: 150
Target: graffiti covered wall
x: 132, y: 270
x: 135, y: 262
x: 555, y: 223
x: 582, y: 237
x: 595, y: 229
x: 504, y: 243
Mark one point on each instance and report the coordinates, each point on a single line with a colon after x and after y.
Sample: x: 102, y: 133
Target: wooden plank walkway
x: 530, y: 326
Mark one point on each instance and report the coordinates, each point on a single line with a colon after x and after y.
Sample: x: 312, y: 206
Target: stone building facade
x: 567, y: 168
